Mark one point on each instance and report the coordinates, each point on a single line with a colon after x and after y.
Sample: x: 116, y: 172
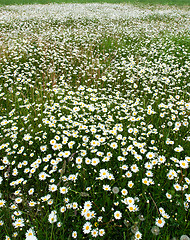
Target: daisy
x: 183, y: 164
x: 138, y: 235
x: 2, y: 202
x: 106, y: 187
x: 128, y: 174
x: 66, y: 154
x: 32, y: 203
x: 117, y: 215
x: 160, y: 222
x: 130, y: 184
x: 43, y: 148
x: 150, y: 155
x: 63, y: 190
x: 178, y: 149
x: 106, y: 159
x: 46, y: 198
x: 74, y: 234
x: 103, y: 174
x: 113, y: 145
x: 19, y: 223
x: 63, y: 209
x: 148, y: 165
x: 134, y: 168
x: 161, y: 159
x: 52, y: 217
x: 95, y: 161
x: 30, y: 234
x: 177, y: 187
x: 43, y: 175
x: 88, y: 205
x: 187, y: 197
x: 18, y: 200
x: 94, y: 233
x: 87, y: 227
x: 52, y: 187
x: 124, y: 192
x: 101, y: 232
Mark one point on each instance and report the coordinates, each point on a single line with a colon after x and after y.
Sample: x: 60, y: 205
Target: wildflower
x: 183, y: 164
x: 161, y: 159
x: 27, y: 137
x: 88, y: 205
x: 52, y: 187
x: 59, y: 224
x: 19, y: 223
x: 52, y: 217
x: 74, y: 234
x: 94, y: 232
x: 32, y: 203
x: 148, y: 165
x: 128, y: 174
x: 117, y: 215
x: 138, y: 235
x: 103, y: 173
x: 43, y: 148
x: 124, y: 192
x: 150, y: 155
x: 63, y: 190
x: 130, y: 184
x: 113, y: 145
x: 187, y: 197
x: 18, y: 200
x: 75, y: 205
x: 15, y: 234
x: 87, y: 214
x: 50, y: 201
x: 43, y: 175
x: 66, y: 154
x: 160, y: 222
x: 169, y: 196
x: 134, y: 168
x: 101, y: 232
x: 178, y: 149
x: 132, y: 208
x: 30, y: 234
x: 87, y: 227
x: 2, y: 203
x: 106, y: 187
x: 46, y: 198
x: 177, y: 187
x: 95, y: 161
x: 63, y: 209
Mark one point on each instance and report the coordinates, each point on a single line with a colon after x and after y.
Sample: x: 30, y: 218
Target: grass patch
x: 153, y: 2
x: 94, y: 136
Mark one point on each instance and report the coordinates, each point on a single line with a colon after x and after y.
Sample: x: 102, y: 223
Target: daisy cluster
x: 94, y: 125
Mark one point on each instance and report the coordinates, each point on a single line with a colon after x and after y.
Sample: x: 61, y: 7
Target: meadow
x: 139, y: 2
x: 94, y: 123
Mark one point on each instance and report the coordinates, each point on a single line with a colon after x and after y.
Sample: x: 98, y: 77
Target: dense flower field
x: 95, y: 110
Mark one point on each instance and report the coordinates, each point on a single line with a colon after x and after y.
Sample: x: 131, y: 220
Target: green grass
x: 152, y: 2
x: 113, y: 90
